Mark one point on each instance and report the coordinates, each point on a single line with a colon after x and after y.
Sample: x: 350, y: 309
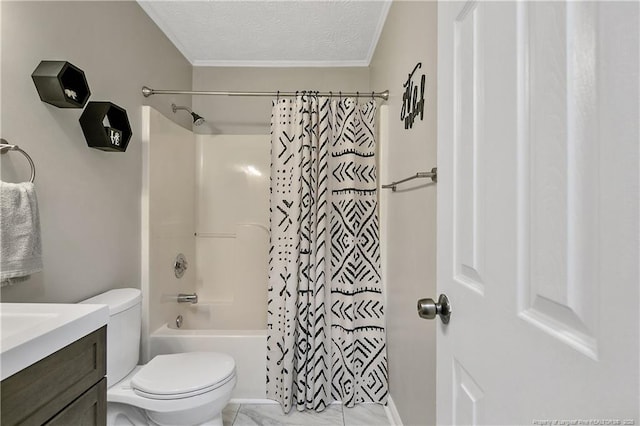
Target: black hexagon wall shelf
x: 106, y: 126
x: 61, y: 83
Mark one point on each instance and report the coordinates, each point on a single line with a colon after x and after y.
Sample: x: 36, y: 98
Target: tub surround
x: 232, y: 234
x: 168, y: 219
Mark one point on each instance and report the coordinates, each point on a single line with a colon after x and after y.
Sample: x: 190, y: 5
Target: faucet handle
x: 180, y: 265
x: 188, y: 298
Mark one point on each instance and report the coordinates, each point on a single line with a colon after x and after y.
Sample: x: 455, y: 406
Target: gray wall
x: 251, y: 115
x: 89, y: 199
x: 409, y: 37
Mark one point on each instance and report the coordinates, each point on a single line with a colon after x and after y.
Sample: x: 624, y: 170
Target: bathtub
x: 247, y: 347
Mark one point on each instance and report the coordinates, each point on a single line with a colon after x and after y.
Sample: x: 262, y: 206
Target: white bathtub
x: 247, y: 347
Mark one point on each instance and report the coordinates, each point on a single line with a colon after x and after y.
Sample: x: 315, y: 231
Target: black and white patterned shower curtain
x: 326, y: 337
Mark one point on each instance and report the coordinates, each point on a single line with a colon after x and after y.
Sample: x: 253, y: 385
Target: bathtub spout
x: 188, y: 298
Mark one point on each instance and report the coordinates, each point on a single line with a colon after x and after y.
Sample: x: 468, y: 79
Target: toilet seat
x: 122, y: 392
x: 183, y: 375
x: 184, y: 394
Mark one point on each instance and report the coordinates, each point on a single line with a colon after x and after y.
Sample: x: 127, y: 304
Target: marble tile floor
x: 334, y: 415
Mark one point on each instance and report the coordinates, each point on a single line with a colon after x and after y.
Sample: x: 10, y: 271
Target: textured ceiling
x: 272, y: 33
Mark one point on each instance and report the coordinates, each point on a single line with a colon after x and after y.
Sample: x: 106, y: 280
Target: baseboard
x: 252, y: 401
x: 264, y: 401
x: 261, y: 401
x: 390, y: 409
x: 392, y: 413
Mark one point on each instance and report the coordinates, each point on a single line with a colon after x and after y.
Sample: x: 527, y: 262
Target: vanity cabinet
x: 66, y: 388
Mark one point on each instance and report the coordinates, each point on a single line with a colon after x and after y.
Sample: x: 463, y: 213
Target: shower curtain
x: 326, y: 337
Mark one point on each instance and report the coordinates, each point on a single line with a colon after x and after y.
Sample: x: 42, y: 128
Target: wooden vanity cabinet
x: 66, y: 388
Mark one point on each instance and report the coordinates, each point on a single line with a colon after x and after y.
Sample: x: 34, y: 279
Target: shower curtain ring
x: 278, y: 96
x: 373, y: 98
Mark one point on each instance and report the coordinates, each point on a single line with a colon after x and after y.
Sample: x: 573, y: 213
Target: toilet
x: 186, y: 389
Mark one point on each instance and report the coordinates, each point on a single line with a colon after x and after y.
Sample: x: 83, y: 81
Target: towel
x: 20, y: 246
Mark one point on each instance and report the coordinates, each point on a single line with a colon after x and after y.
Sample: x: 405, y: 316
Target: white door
x: 538, y: 220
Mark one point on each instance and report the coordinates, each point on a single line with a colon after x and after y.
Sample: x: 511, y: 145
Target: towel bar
x: 433, y: 174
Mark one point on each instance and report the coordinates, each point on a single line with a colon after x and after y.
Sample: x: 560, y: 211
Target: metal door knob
x: 428, y: 308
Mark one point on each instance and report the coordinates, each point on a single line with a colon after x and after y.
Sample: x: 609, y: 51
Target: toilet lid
x: 182, y: 375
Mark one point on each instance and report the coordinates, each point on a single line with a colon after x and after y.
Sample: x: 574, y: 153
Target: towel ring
x: 4, y: 148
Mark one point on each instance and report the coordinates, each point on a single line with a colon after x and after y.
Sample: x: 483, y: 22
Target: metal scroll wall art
x: 413, y: 98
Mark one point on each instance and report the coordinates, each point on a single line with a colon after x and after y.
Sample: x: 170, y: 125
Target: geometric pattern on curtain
x: 326, y: 337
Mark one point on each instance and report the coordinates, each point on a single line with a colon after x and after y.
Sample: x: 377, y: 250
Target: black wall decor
x: 412, y: 98
x: 61, y: 83
x: 106, y: 126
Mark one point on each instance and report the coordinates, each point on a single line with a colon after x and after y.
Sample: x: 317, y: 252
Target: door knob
x: 428, y: 308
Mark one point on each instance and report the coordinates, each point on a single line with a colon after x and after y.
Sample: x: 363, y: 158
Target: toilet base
x: 126, y: 415
x: 215, y: 421
x: 188, y: 417
x: 126, y: 408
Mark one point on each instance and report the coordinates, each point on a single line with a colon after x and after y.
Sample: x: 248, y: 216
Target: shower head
x: 197, y: 119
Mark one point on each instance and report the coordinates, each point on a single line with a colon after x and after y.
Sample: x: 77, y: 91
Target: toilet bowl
x: 186, y: 389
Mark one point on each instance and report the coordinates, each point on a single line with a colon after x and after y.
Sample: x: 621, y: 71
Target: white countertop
x: 33, y: 331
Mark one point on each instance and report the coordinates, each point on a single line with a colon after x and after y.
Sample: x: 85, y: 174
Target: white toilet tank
x: 123, y: 330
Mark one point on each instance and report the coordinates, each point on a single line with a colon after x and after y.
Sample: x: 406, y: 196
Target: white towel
x: 20, y: 246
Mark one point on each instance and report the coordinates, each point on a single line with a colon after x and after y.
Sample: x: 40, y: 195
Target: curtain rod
x: 147, y: 91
